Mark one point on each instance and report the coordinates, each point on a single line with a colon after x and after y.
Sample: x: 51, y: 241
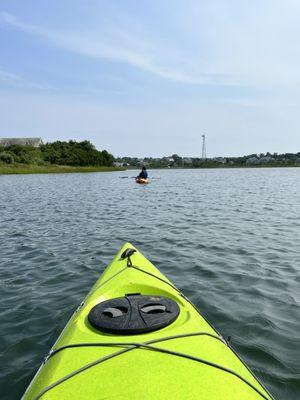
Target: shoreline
x: 217, y: 167
x: 24, y: 169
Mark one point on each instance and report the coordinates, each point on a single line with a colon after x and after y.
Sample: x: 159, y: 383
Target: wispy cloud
x: 124, y: 48
x: 6, y: 76
x: 156, y: 67
x: 12, y: 78
x: 223, y: 43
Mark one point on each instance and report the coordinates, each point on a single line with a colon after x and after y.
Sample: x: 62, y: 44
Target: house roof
x: 21, y: 141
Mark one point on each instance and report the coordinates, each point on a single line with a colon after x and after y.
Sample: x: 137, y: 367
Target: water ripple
x: 228, y: 238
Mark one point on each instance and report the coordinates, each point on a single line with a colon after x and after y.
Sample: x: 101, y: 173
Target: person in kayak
x: 143, y: 174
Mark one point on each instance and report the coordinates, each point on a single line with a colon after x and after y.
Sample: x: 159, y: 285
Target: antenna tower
x: 203, y: 147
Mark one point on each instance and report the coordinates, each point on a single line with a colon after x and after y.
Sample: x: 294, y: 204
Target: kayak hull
x: 142, y: 181
x: 188, y: 359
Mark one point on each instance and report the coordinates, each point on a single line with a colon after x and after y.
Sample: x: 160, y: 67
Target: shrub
x: 6, y: 157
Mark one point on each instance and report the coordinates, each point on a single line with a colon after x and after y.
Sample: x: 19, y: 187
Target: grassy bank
x: 6, y: 169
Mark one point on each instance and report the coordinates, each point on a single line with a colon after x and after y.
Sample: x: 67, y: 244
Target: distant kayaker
x: 143, y: 174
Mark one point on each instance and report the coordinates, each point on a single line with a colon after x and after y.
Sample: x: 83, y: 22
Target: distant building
x: 35, y: 142
x: 187, y: 160
x: 118, y: 164
x: 266, y: 159
x: 252, y: 161
x: 220, y: 160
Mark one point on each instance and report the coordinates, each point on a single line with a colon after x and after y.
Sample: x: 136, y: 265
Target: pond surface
x: 228, y: 238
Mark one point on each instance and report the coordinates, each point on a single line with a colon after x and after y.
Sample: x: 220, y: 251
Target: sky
x: 149, y: 77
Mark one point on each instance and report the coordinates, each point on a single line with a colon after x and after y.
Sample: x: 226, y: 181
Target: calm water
x: 230, y: 239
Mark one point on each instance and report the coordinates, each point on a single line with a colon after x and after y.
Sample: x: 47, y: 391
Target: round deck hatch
x: 133, y: 314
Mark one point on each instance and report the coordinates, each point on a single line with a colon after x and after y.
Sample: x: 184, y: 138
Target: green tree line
x: 59, y: 153
x: 251, y: 160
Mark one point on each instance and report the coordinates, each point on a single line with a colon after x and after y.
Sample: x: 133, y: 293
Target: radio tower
x: 203, y: 148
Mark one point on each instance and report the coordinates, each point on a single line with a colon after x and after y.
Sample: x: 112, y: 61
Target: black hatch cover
x: 133, y: 314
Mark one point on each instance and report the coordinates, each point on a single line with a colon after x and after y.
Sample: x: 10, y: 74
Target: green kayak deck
x: 186, y: 359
